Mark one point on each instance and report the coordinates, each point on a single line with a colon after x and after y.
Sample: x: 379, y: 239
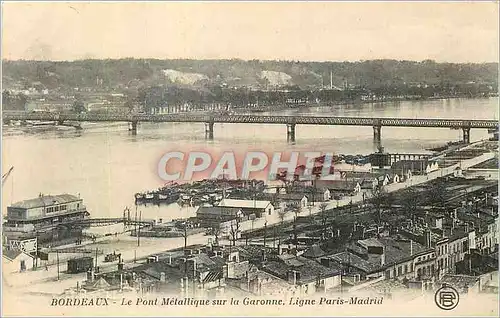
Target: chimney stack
x: 428, y: 238
x: 120, y: 265
x: 191, y: 267
x: 376, y: 254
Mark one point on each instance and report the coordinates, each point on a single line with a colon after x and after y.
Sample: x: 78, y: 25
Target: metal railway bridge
x: 290, y: 121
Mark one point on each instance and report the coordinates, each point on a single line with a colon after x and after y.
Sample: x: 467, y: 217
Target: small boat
x: 41, y: 123
x: 149, y: 196
x: 162, y: 196
x: 139, y: 196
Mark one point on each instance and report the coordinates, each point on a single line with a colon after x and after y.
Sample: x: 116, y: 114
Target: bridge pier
x: 377, y: 139
x: 466, y: 135
x: 209, y: 130
x: 133, y: 127
x: 290, y: 132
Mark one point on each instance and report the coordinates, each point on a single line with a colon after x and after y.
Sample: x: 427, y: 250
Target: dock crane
x: 6, y: 175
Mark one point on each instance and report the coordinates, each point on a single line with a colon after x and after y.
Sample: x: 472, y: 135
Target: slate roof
x: 314, y: 252
x: 399, y: 250
x: 249, y: 252
x: 45, y: 200
x: 10, y: 254
x: 396, y: 251
x: 459, y: 281
x: 308, y: 270
x: 348, y: 258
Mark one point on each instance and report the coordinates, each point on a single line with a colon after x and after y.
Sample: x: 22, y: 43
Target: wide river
x: 106, y: 165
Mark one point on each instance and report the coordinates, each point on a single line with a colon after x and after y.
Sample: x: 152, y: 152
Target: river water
x: 106, y: 165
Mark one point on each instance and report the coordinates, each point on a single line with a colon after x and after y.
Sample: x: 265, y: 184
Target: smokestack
x: 331, y: 80
x: 411, y: 247
x: 162, y: 277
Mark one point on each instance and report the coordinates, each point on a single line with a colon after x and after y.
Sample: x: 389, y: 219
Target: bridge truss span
x: 290, y: 121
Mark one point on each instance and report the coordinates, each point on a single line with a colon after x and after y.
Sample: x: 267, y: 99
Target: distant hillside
x: 238, y: 73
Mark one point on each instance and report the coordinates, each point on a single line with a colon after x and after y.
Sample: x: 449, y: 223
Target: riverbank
x: 282, y: 107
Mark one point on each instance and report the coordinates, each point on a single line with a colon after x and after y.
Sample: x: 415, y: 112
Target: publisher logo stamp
x: 446, y: 297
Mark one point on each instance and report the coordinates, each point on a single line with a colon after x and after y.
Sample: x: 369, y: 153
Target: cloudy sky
x: 338, y: 31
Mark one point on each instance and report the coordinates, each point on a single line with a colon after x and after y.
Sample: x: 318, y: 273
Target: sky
x: 313, y: 31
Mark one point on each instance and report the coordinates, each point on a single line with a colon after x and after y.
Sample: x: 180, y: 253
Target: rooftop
x: 45, y: 200
x: 308, y: 270
x: 249, y: 204
x: 290, y: 196
x: 396, y: 250
x: 459, y: 281
x: 11, y: 254
x: 336, y: 184
x: 218, y: 210
x: 314, y: 252
x: 348, y: 258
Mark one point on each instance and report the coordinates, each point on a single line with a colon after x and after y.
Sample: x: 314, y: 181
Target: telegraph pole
x: 57, y: 253
x: 185, y: 235
x: 96, y: 257
x: 139, y: 230
x: 136, y: 230
x: 265, y: 233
